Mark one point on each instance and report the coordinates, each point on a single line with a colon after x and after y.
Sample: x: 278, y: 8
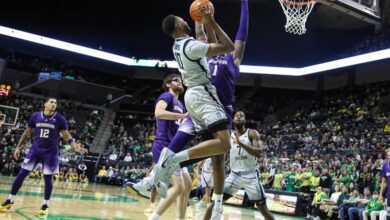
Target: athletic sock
x: 181, y: 156
x: 218, y: 200
x: 154, y: 216
x: 11, y: 197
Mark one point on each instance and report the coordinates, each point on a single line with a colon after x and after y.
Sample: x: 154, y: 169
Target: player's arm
x: 25, y: 136
x: 383, y: 190
x: 210, y: 34
x: 242, y: 34
x: 255, y: 149
x: 161, y: 113
x: 199, y: 31
x: 225, y: 45
x: 69, y: 139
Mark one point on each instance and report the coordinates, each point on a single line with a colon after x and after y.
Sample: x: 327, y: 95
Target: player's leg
x: 256, y: 193
x: 17, y: 184
x: 153, y: 197
x: 219, y: 179
x: 29, y: 164
x: 173, y: 192
x: 51, y: 166
x: 231, y: 187
x: 182, y: 199
x: 183, y: 136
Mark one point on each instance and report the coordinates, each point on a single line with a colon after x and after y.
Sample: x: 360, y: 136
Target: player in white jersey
x: 245, y: 149
x: 207, y: 183
x: 201, y: 101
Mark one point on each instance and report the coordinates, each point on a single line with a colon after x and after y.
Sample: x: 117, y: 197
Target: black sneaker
x: 44, y: 210
x: 6, y: 205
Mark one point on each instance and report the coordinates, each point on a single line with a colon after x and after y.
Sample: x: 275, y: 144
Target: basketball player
x: 244, y: 173
x: 201, y: 98
x: 46, y: 127
x: 169, y: 113
x: 207, y: 183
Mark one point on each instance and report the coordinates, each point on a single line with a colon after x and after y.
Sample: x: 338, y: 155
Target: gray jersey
x: 240, y: 159
x: 190, y: 55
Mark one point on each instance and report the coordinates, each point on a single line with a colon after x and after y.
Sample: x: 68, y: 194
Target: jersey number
x: 44, y: 133
x: 215, y: 70
x: 179, y: 61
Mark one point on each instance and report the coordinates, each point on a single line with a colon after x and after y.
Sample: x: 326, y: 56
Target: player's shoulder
x: 59, y: 116
x: 36, y: 114
x: 253, y: 132
x: 190, y: 42
x: 167, y: 96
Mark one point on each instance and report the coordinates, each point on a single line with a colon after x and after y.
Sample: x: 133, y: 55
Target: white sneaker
x: 217, y: 213
x: 165, y: 168
x: 316, y: 218
x: 142, y: 188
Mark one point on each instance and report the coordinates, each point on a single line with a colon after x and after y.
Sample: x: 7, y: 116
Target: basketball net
x: 296, y: 12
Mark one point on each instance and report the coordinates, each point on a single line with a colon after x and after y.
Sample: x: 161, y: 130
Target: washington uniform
x: 44, y: 148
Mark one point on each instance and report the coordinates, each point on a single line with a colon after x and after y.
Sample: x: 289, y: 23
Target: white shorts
x: 35, y: 166
x: 250, y: 183
x: 204, y: 107
x: 207, y: 180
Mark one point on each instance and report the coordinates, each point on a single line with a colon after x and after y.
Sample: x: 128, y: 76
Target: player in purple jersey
x: 170, y: 113
x: 46, y: 127
x: 385, y: 186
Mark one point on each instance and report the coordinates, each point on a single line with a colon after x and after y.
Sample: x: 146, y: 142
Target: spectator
x: 102, y: 173
x: 356, y: 212
x: 373, y: 208
x: 128, y: 158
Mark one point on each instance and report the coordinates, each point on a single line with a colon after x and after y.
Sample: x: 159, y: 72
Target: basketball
x: 196, y: 9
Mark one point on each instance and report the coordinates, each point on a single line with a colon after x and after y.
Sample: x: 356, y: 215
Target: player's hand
x: 236, y: 140
x: 17, y: 153
x: 183, y: 116
x: 80, y: 149
x: 207, y: 16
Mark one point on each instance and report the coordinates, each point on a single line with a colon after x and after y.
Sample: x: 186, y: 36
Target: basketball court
x: 94, y: 202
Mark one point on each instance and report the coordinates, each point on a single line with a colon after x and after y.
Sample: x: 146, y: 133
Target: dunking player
x: 201, y: 99
x: 244, y: 174
x: 46, y: 127
x: 170, y: 113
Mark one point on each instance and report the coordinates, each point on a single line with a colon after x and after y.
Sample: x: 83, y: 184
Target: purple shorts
x: 157, y: 147
x: 48, y: 157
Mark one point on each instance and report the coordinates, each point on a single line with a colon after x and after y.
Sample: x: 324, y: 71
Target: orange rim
x: 292, y: 2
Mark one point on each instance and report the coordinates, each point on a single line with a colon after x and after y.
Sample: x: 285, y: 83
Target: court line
x: 119, y: 199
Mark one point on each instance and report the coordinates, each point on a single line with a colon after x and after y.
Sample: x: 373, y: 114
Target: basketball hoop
x: 296, y: 12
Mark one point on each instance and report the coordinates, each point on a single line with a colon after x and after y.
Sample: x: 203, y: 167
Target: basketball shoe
x: 142, y: 188
x: 217, y: 213
x: 6, y: 205
x: 44, y: 210
x: 165, y: 168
